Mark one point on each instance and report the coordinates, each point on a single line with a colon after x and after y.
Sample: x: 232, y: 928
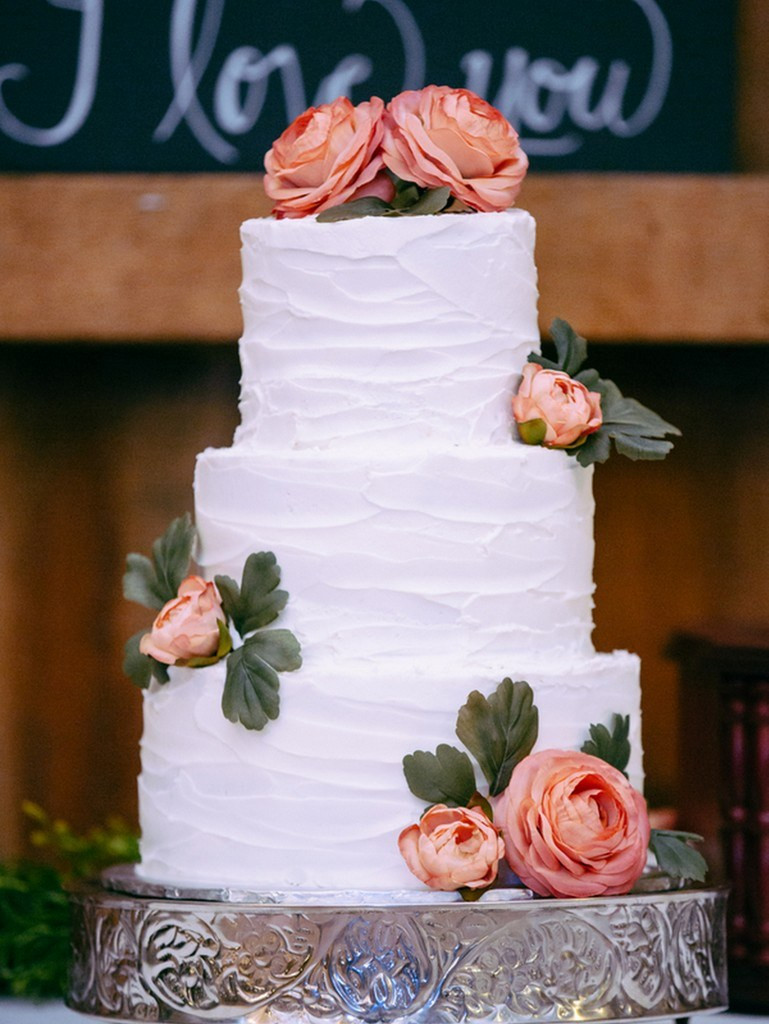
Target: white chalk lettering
x: 554, y: 107
x: 659, y: 79
x: 411, y: 37
x: 538, y: 96
x: 350, y: 71
x: 188, y: 65
x: 83, y: 92
x: 247, y: 65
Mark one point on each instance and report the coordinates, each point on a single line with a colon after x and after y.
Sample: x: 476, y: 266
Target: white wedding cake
x: 427, y: 552
x: 381, y: 676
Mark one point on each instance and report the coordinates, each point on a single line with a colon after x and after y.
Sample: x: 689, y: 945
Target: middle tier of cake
x: 471, y: 552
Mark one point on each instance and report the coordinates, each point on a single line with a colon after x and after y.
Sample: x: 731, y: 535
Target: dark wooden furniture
x: 724, y: 754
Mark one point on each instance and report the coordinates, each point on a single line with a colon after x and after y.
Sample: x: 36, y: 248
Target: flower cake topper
x: 192, y: 628
x: 426, y: 152
x: 560, y: 405
x: 568, y: 823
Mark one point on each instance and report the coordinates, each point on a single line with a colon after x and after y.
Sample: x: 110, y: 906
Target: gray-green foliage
x: 637, y: 432
x: 34, y: 912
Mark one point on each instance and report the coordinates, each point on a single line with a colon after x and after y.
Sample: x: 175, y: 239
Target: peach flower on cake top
x: 452, y: 848
x: 187, y: 626
x: 450, y: 137
x: 573, y: 825
x: 327, y: 156
x: 553, y: 409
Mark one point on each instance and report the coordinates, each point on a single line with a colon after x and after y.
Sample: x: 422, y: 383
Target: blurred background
x: 131, y: 139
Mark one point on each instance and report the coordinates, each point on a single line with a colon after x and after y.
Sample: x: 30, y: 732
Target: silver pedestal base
x: 139, y: 957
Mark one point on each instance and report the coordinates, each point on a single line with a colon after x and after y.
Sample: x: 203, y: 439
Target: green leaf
x: 597, y: 448
x: 499, y: 731
x: 406, y: 194
x: 140, y: 582
x: 172, y: 553
x: 612, y: 747
x: 433, y: 200
x: 251, y: 685
x: 675, y: 856
x: 570, y: 346
x: 409, y: 201
x: 625, y: 412
x: 637, y: 448
x: 141, y: 668
x: 445, y: 777
x: 278, y: 647
x: 257, y: 602
x: 250, y: 690
x: 262, y: 601
x: 591, y: 380
x: 137, y: 666
x: 154, y: 583
x: 637, y: 432
x: 229, y: 592
x: 479, y: 800
x: 367, y: 206
x: 543, y: 361
x: 159, y: 671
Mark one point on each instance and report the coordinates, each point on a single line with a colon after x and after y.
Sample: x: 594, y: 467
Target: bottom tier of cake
x: 317, y: 799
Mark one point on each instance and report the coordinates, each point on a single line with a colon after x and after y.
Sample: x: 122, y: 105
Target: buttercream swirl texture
x: 415, y: 340
x: 473, y: 552
x: 425, y: 551
x: 318, y: 799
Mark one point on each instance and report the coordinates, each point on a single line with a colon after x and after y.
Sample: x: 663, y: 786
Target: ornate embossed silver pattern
x: 650, y: 955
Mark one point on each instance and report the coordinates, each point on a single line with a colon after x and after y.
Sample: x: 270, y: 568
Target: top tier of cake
x: 415, y: 343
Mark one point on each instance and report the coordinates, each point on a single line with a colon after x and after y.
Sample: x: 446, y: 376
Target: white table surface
x: 18, y: 1011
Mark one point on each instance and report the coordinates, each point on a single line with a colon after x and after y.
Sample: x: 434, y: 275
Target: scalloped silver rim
x: 643, y: 957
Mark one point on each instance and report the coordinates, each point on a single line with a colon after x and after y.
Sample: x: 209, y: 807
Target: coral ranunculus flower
x: 327, y: 156
x: 450, y: 137
x: 562, y: 409
x: 187, y: 626
x: 452, y: 848
x: 573, y: 825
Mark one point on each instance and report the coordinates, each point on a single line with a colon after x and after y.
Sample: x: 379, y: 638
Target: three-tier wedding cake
x: 430, y: 518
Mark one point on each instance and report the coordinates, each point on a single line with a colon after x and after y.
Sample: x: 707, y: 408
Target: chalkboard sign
x: 204, y: 85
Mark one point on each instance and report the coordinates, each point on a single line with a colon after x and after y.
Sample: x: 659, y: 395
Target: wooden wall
x: 118, y: 320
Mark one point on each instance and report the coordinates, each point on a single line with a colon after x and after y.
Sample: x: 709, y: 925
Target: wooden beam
x: 752, y: 85
x: 658, y: 258
x: 156, y: 257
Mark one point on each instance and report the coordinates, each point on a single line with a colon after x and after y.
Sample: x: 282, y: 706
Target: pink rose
x: 328, y: 155
x: 453, y: 847
x: 553, y: 402
x: 573, y: 825
x: 187, y: 626
x: 441, y: 136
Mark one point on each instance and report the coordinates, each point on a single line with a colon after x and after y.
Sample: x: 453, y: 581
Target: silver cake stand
x: 146, y: 952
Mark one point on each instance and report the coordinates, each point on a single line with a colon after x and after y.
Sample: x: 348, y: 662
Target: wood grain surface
x: 153, y: 257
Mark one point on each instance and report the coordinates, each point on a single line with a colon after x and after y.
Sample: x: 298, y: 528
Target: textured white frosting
x: 426, y: 552
x: 415, y: 337
x: 317, y: 800
x: 472, y: 552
